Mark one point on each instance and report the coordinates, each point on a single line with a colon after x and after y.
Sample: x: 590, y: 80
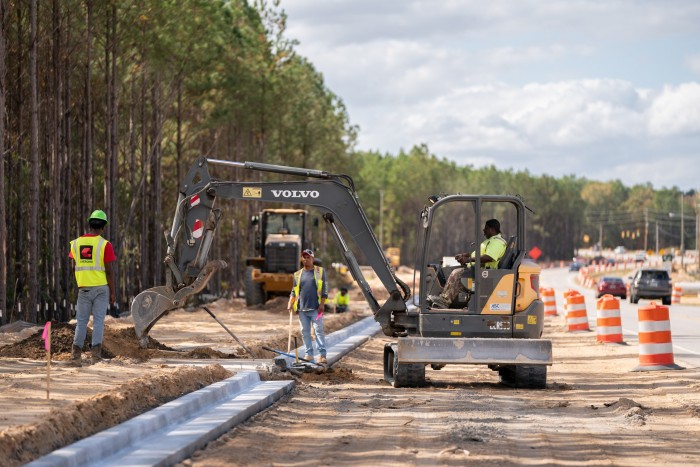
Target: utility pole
x: 600, y: 236
x: 657, y: 237
x: 682, y: 233
x: 646, y: 227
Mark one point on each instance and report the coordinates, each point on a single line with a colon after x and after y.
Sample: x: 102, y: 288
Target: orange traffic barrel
x: 576, y: 316
x: 676, y: 294
x: 655, y: 347
x: 550, y: 301
x: 608, y: 323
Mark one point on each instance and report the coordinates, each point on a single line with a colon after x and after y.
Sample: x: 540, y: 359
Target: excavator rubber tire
x: 524, y: 376
x: 402, y: 375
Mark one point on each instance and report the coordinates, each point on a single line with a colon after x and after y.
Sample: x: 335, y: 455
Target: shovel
x: 269, y: 349
x: 229, y: 331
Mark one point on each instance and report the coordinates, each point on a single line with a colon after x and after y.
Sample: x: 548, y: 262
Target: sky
x: 598, y: 89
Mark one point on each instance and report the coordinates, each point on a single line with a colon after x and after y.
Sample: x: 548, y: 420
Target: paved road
x: 685, y: 319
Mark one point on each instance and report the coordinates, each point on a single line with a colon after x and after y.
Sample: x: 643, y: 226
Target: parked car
x: 640, y: 257
x: 620, y: 250
x: 651, y: 283
x: 575, y: 266
x: 611, y: 285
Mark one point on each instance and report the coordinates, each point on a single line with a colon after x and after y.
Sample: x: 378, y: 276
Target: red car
x: 611, y: 285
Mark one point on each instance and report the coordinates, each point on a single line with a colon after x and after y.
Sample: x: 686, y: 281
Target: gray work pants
x: 95, y: 301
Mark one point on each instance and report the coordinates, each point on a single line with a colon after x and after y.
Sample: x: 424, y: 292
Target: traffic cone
x: 576, y: 316
x: 655, y: 347
x: 676, y: 294
x: 550, y: 301
x: 608, y: 323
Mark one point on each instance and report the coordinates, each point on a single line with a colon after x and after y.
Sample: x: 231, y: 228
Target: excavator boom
x: 188, y: 268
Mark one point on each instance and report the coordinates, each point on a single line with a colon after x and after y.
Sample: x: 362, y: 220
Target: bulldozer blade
x: 152, y: 304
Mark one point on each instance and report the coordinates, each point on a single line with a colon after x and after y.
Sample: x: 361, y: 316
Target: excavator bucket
x: 152, y: 304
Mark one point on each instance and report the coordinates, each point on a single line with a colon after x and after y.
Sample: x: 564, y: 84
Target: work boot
x: 75, y: 356
x: 322, y: 360
x: 96, y: 353
x: 436, y: 301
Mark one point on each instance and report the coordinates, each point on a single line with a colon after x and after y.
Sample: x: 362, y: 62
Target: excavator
x: 497, y: 320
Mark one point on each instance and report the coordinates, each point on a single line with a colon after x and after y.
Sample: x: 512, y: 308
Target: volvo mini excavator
x: 497, y: 319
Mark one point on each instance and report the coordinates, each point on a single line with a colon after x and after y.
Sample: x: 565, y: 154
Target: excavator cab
x: 496, y: 316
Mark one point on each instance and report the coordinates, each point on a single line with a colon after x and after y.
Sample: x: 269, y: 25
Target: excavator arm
x: 188, y: 268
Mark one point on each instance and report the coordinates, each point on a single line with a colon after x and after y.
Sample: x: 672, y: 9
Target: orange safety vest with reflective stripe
x: 89, y: 256
x: 318, y: 275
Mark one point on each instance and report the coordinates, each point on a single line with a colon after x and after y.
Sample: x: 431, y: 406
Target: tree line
x: 105, y: 104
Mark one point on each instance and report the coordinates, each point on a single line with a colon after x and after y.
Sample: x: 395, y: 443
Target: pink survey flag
x: 46, y: 335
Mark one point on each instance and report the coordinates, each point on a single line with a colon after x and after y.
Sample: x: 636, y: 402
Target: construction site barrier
x: 576, y: 316
x: 608, y: 323
x: 550, y: 301
x: 655, y: 346
x: 676, y: 294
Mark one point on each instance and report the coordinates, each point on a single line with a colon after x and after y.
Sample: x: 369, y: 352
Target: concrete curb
x: 223, y: 404
x: 173, y: 432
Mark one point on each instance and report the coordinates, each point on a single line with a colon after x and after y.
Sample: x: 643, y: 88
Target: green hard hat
x: 98, y: 214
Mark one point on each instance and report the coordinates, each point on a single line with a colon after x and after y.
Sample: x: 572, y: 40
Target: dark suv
x: 651, y: 283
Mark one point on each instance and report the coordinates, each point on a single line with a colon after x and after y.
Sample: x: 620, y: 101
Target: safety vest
x: 485, y: 250
x: 341, y: 299
x: 494, y: 264
x: 89, y: 256
x: 318, y: 275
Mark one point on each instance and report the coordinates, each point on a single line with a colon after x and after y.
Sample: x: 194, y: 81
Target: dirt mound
x: 68, y: 424
x: 116, y: 343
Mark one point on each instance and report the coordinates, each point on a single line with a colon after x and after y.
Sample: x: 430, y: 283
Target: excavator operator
x: 491, y: 251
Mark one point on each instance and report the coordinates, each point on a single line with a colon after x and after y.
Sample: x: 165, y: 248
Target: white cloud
x: 592, y: 88
x: 676, y: 111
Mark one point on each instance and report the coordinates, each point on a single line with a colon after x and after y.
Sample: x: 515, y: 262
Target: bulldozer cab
x: 279, y: 238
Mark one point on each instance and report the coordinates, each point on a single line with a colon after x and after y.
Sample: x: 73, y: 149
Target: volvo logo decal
x: 295, y: 193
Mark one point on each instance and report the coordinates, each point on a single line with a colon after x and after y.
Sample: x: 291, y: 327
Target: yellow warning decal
x: 455, y: 333
x: 532, y: 319
x: 455, y: 322
x: 252, y: 192
x: 519, y: 326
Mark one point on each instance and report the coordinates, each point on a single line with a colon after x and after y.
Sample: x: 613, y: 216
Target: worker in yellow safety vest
x: 308, y: 299
x: 341, y: 300
x: 93, y: 257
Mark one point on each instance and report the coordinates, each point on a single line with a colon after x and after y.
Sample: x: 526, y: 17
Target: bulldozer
x: 280, y: 235
x: 497, y: 320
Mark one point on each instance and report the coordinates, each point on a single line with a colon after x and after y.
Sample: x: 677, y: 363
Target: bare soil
x: 83, y: 401
x: 595, y: 410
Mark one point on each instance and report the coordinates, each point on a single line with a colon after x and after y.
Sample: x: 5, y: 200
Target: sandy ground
x: 83, y: 401
x: 595, y: 410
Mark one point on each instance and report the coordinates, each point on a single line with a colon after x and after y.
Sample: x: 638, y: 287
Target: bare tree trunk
x: 87, y: 195
x: 155, y: 211
x: 33, y: 260
x: 144, y: 247
x: 19, y: 241
x: 112, y: 153
x: 3, y: 223
x: 130, y: 280
x: 56, y: 159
